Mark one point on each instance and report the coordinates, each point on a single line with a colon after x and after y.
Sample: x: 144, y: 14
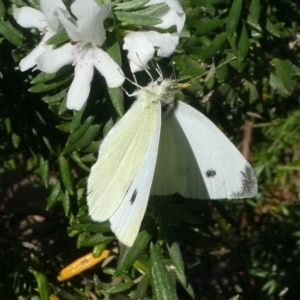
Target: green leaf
x: 95, y: 240
x: 53, y: 83
x: 16, y: 140
x: 134, y: 19
x: 151, y: 10
x: 64, y: 127
x: 131, y: 5
x: 11, y: 33
x: 66, y: 202
x: 243, y: 44
x: 2, y: 10
x: 254, y: 11
x: 40, y: 277
x: 206, y: 26
x: 65, y: 174
x: 85, y: 140
x: 162, y: 284
x: 78, y: 133
x: 43, y: 170
x: 131, y: 254
x: 119, y: 288
x: 175, y: 255
x: 142, y: 287
x: 91, y: 227
x: 117, y: 98
x: 55, y: 98
x: 214, y: 46
x: 234, y: 17
x: 284, y: 71
x: 76, y: 158
x: 58, y: 38
x: 53, y: 197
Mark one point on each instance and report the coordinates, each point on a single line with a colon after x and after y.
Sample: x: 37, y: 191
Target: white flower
x: 43, y: 20
x: 141, y: 45
x: 87, y: 35
x: 173, y: 15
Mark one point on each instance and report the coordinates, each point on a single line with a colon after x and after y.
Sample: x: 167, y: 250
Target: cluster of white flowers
x: 87, y: 34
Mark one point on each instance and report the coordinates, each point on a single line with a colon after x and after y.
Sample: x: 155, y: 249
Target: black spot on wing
x: 249, y: 184
x: 132, y: 199
x: 210, y: 173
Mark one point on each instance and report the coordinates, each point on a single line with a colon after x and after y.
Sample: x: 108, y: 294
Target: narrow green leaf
x: 97, y: 250
x: 243, y: 44
x: 66, y: 202
x: 284, y: 72
x: 96, y: 239
x: 131, y: 254
x: 206, y: 26
x: 141, y: 290
x: 7, y: 125
x: 2, y: 10
x: 130, y: 18
x: 254, y: 11
x: 234, y: 17
x: 65, y: 174
x: 64, y: 127
x: 53, y: 197
x: 162, y: 284
x: 91, y: 227
x: 55, y: 98
x: 16, y: 140
x: 119, y: 288
x: 40, y: 277
x: 85, y: 140
x: 11, y: 33
x: 54, y: 83
x: 41, y: 88
x: 76, y: 157
x: 117, y: 98
x: 131, y: 5
x: 151, y: 10
x: 77, y: 134
x: 58, y: 38
x: 214, y: 46
x: 44, y: 171
x: 175, y: 255
x: 44, y: 77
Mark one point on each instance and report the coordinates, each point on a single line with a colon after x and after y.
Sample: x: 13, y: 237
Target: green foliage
x: 186, y: 248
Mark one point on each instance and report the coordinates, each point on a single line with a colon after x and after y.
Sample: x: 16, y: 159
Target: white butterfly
x: 162, y: 147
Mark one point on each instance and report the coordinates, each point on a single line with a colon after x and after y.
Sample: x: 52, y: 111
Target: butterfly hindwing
x: 197, y: 160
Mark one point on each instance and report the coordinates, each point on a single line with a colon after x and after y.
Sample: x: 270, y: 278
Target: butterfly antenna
x: 205, y: 73
x: 144, y: 67
x: 131, y: 81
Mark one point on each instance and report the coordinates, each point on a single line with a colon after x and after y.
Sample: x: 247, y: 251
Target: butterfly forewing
x: 120, y: 157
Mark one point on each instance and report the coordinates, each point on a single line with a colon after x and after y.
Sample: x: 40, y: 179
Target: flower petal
x: 49, y: 7
x: 140, y: 50
x: 81, y: 85
x: 174, y: 15
x: 109, y: 69
x: 90, y: 17
x: 53, y: 60
x: 69, y: 24
x: 29, y: 61
x: 29, y: 17
x: 141, y: 47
